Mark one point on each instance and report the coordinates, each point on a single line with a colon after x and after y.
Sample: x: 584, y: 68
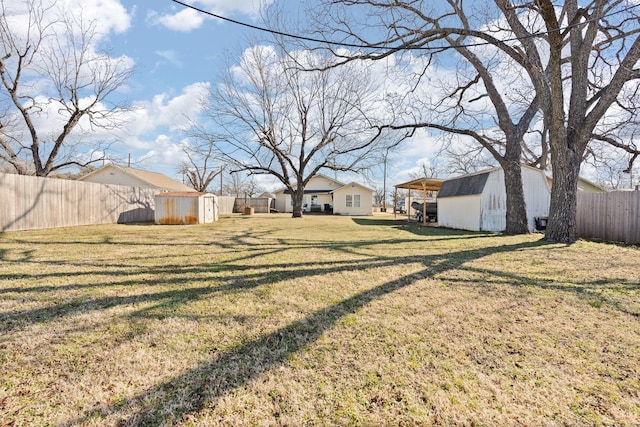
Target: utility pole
x: 384, y: 185
x: 221, y: 169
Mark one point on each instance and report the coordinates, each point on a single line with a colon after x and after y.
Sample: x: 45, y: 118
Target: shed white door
x: 209, y: 206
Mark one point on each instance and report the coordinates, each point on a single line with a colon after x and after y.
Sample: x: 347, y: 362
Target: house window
x: 356, y: 200
x: 349, y: 201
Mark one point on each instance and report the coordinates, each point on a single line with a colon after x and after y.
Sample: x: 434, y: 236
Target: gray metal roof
x: 464, y: 186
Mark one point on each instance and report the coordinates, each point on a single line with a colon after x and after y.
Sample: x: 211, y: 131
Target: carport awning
x: 422, y: 184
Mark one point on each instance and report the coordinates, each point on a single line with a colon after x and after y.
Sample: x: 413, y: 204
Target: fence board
x: 28, y: 202
x: 612, y: 216
x: 226, y: 204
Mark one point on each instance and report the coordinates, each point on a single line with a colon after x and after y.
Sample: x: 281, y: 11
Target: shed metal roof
x: 464, y: 186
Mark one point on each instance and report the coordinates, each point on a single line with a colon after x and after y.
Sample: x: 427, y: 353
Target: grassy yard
x: 267, y: 320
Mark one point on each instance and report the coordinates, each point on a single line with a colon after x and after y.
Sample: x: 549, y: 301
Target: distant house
x: 323, y: 194
x: 271, y: 197
x: 353, y: 199
x: 118, y: 175
x: 478, y: 201
x: 584, y: 185
x: 267, y: 195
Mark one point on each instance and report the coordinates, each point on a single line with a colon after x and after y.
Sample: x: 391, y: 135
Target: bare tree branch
x: 274, y: 117
x: 60, y: 49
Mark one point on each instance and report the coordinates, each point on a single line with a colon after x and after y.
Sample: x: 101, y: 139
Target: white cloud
x: 171, y: 56
x: 422, y: 146
x: 91, y: 22
x: 109, y: 15
x: 186, y: 19
x: 247, y: 7
x: 153, y: 132
x: 165, y: 153
x: 166, y: 111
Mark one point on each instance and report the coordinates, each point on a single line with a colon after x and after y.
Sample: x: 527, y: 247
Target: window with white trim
x: 356, y: 200
x: 349, y: 201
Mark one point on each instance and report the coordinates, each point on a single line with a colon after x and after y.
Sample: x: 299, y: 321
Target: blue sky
x: 177, y: 52
x: 173, y: 50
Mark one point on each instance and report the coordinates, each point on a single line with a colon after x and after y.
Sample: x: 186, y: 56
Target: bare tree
x: 51, y: 65
x: 379, y: 197
x: 277, y: 119
x: 467, y: 159
x: 201, y: 166
x: 240, y: 185
x: 613, y: 171
x: 426, y: 170
x: 578, y: 63
x: 458, y: 106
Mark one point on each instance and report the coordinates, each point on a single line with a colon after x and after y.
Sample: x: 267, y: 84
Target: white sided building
x: 187, y: 207
x: 326, y: 195
x: 353, y: 199
x: 478, y: 201
x: 118, y: 175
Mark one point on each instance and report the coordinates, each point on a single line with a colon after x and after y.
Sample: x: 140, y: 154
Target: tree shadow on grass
x: 203, y: 278
x: 593, y: 291
x: 421, y: 230
x: 198, y: 388
x: 135, y: 264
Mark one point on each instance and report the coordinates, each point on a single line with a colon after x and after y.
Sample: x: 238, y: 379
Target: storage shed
x: 185, y: 208
x: 478, y: 201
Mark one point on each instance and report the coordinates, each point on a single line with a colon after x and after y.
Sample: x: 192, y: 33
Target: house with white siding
x: 323, y: 194
x: 118, y: 175
x: 353, y: 199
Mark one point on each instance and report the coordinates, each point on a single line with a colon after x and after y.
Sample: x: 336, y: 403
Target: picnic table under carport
x: 424, y: 185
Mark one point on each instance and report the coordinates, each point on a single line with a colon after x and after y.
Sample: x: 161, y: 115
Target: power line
x: 423, y: 48
x: 279, y: 33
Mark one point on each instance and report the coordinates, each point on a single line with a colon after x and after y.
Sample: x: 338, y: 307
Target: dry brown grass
x: 266, y: 320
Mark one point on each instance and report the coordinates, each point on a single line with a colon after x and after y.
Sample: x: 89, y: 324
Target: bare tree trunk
x: 296, y: 198
x: 562, y: 220
x: 516, y: 217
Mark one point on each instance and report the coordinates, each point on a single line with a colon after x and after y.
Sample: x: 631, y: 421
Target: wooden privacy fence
x: 259, y: 204
x: 612, y: 216
x: 28, y: 202
x: 229, y: 204
x: 226, y: 204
